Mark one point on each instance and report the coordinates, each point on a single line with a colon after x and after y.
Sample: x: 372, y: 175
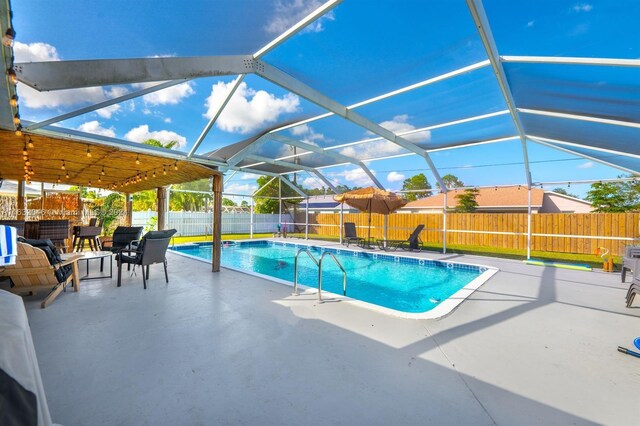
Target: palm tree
x: 157, y: 143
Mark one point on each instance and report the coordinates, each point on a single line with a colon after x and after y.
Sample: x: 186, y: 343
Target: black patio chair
x: 151, y: 249
x: 122, y: 238
x: 18, y: 224
x: 411, y: 243
x: 55, y: 230
x: 634, y: 289
x: 350, y: 234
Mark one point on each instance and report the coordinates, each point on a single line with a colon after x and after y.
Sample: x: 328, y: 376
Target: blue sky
x: 360, y: 50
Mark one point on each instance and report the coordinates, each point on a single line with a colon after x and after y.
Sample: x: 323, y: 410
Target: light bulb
x: 19, y: 130
x: 164, y: 171
x: 63, y: 167
x: 102, y: 172
x: 67, y: 175
x: 175, y: 166
x: 13, y: 101
x: 12, y: 76
x: 16, y: 119
x: 88, y: 152
x: 8, y: 37
x: 30, y: 143
x: 137, y: 158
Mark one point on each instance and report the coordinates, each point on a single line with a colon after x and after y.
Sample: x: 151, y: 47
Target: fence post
x: 251, y: 220
x: 306, y: 221
x: 529, y: 225
x: 341, y: 220
x: 444, y: 225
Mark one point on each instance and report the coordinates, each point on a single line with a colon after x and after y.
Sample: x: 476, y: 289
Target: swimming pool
x: 404, y: 286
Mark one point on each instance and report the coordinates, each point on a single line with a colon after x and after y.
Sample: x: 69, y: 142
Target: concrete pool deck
x: 533, y: 345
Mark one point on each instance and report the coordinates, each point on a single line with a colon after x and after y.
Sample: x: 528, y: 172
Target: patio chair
x: 151, y: 249
x: 351, y: 235
x: 634, y: 289
x: 55, y: 230
x: 631, y: 254
x: 39, y: 267
x: 122, y: 238
x: 411, y: 243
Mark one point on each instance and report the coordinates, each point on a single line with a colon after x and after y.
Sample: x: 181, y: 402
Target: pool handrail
x: 344, y: 275
x: 295, y: 268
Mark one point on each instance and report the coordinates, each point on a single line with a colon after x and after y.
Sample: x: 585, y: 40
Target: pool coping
x: 442, y: 310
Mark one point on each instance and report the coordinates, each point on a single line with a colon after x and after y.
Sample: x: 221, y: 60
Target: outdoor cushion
x: 53, y: 255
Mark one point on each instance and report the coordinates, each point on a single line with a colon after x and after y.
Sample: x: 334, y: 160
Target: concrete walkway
x: 533, y: 346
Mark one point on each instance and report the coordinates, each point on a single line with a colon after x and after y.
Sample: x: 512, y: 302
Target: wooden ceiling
x: 121, y: 172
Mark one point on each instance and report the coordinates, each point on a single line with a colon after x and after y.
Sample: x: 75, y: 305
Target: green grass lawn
x: 589, y: 259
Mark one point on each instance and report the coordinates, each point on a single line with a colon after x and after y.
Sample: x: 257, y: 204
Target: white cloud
x: 43, y: 52
x: 371, y: 150
x: 531, y: 24
x: 170, y: 96
x: 355, y: 177
x: 400, y: 124
x: 94, y: 127
x: 313, y: 183
x: 167, y: 120
x: 587, y: 165
x: 307, y: 134
x: 288, y: 13
x: 383, y: 148
x: 248, y: 176
x: 107, y: 112
x: 248, y: 109
x: 142, y: 133
x: 240, y: 188
x: 395, y: 177
x: 582, y: 7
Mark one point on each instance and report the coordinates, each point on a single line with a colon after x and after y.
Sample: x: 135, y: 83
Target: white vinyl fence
x: 199, y: 223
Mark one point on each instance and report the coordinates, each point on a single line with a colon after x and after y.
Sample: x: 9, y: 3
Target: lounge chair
x: 151, y: 249
x: 411, y: 243
x: 631, y: 254
x: 350, y: 234
x: 39, y: 267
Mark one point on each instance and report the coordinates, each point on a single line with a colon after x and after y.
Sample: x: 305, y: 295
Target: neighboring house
x: 512, y: 199
x: 324, y: 204
x: 10, y: 188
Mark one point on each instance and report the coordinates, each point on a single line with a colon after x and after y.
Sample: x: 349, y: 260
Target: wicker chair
x: 34, y: 272
x: 55, y: 230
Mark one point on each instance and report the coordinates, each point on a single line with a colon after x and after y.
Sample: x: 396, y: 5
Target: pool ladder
x: 319, y: 265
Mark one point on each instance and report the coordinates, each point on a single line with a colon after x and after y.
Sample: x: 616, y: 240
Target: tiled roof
x: 511, y: 196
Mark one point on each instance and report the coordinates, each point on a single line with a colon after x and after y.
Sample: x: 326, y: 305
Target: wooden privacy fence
x: 580, y: 233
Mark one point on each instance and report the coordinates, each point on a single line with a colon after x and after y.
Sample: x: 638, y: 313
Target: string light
x: 8, y: 37
x: 30, y: 143
x: 58, y: 181
x: 13, y: 101
x: 24, y: 150
x: 64, y: 166
x: 154, y: 173
x: 145, y: 176
x: 137, y: 158
x: 175, y: 166
x: 99, y: 179
x: 89, y: 182
x: 12, y: 76
x: 88, y: 151
x: 164, y: 170
x: 19, y: 130
x: 102, y: 172
x: 16, y: 119
x: 67, y: 175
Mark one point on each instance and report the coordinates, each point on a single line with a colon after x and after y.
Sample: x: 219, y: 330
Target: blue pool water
x: 403, y: 284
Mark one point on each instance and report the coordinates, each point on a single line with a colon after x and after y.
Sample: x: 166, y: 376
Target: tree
x: 416, y: 182
x: 613, y: 197
x: 564, y: 192
x: 108, y: 210
x: 191, y: 201
x: 157, y: 143
x: 144, y: 200
x: 467, y: 201
x: 244, y: 203
x: 227, y: 202
x: 271, y: 205
x: 450, y: 181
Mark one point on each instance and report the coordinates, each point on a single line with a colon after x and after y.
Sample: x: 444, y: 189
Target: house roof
x: 510, y: 196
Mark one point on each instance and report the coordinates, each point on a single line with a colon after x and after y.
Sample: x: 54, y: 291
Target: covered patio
x: 230, y: 348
